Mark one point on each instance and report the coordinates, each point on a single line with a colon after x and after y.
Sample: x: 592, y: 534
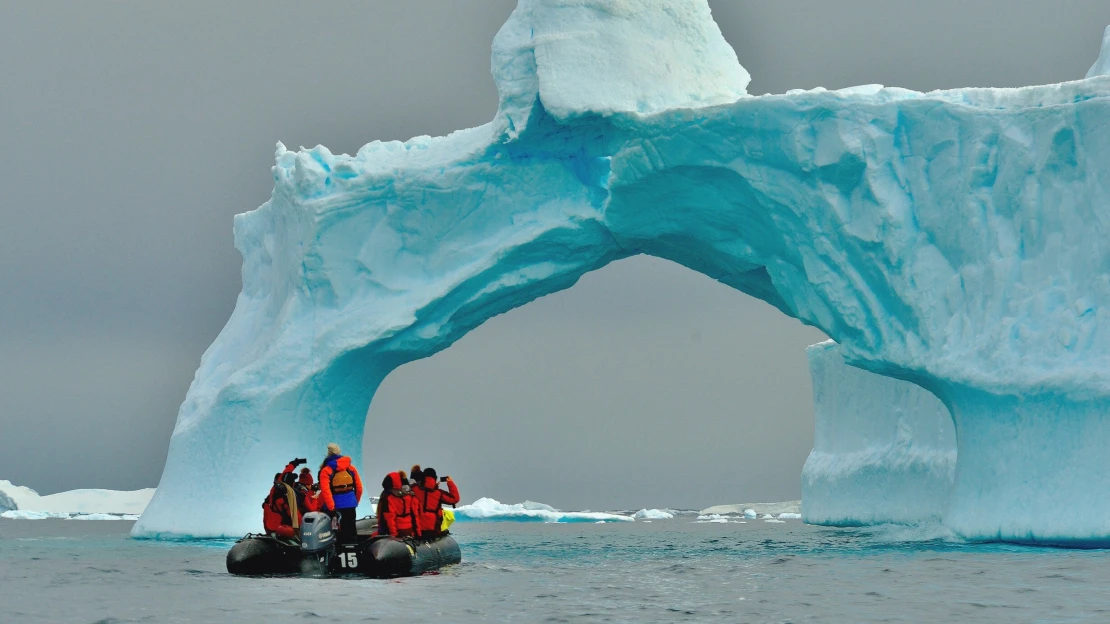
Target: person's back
x: 396, y: 508
x: 431, y: 500
x: 340, y: 491
x: 280, y: 516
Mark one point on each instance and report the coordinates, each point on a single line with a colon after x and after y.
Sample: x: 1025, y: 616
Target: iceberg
x: 884, y: 450
x: 25, y: 503
x: 490, y: 510
x: 952, y: 239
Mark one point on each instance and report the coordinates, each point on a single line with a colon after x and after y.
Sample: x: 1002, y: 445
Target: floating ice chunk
x: 490, y: 510
x: 774, y: 520
x: 750, y: 513
x: 790, y: 516
x: 654, y: 514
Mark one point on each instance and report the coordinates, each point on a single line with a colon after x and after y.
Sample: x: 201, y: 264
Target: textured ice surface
x: 488, y: 509
x: 884, y: 449
x: 952, y: 238
x: 75, y: 502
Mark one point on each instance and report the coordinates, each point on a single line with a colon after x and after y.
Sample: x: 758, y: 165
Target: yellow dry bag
x: 448, y: 520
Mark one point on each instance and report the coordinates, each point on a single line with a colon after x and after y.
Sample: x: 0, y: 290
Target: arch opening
x: 645, y: 384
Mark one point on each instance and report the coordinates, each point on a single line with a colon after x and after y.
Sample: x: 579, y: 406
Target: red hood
x: 429, y: 483
x: 395, y: 480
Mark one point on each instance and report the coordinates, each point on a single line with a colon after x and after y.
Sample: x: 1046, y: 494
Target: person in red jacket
x: 280, y: 515
x: 430, y: 501
x: 397, y: 508
x: 340, y: 491
x: 309, y: 492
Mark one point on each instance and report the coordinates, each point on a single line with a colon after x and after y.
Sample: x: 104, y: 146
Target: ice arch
x: 951, y: 238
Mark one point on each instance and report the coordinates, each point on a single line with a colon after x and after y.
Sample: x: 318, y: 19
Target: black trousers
x: 347, y: 533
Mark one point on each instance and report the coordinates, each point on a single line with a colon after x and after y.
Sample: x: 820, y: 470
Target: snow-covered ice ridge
x: 951, y: 238
x: 884, y: 450
x: 19, y: 502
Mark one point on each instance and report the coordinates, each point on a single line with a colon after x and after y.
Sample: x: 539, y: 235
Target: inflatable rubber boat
x: 318, y: 553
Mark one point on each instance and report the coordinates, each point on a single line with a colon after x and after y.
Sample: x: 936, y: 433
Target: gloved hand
x: 298, y: 462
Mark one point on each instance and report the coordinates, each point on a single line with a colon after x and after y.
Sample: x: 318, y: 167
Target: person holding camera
x: 340, y: 491
x: 430, y: 501
x: 281, y: 511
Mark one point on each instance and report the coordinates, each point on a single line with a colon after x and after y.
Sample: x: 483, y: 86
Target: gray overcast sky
x: 134, y: 131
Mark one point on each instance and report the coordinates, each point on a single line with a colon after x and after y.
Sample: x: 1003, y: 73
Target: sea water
x: 660, y: 571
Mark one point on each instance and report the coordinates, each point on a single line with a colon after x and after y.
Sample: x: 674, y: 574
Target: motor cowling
x: 317, y: 533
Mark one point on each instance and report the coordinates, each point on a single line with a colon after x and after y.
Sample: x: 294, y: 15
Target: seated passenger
x: 430, y: 501
x: 396, y: 508
x: 308, y: 492
x: 280, y: 515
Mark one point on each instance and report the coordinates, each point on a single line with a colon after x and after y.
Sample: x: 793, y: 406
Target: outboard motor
x: 317, y: 542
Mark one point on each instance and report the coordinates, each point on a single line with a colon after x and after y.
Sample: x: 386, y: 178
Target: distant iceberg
x: 490, y: 510
x: 21, y: 502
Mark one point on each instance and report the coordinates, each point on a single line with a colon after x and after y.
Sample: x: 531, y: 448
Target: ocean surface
x: 662, y: 571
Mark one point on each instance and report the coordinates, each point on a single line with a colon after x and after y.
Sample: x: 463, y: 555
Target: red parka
x: 332, y: 465
x: 396, y: 509
x: 277, y: 516
x: 429, y: 504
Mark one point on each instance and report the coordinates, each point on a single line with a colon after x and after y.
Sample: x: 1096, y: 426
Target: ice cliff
x: 884, y: 450
x: 953, y: 239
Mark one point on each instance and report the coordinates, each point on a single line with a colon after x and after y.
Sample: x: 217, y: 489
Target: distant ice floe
x: 23, y: 503
x: 741, y: 513
x: 490, y: 510
x: 655, y: 514
x: 24, y: 514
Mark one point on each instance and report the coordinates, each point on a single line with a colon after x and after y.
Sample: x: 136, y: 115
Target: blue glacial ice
x: 952, y: 239
x: 884, y: 450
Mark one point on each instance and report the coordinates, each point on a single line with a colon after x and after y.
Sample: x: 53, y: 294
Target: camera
x: 443, y: 479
